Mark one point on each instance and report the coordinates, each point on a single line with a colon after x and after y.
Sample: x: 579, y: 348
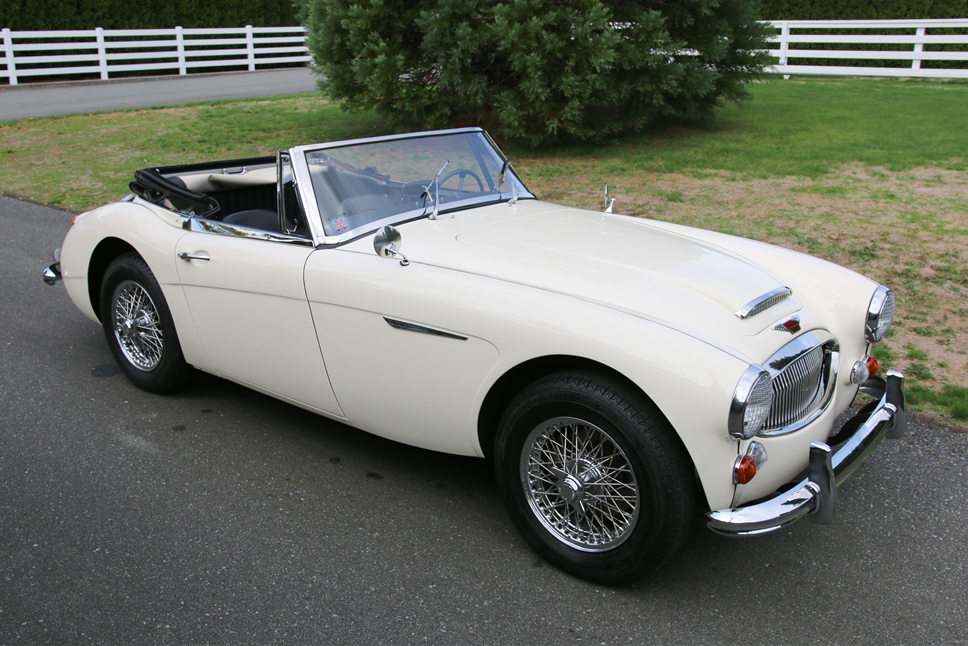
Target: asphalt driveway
x: 218, y: 515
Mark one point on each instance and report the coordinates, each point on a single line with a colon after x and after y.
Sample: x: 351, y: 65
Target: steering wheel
x: 462, y: 172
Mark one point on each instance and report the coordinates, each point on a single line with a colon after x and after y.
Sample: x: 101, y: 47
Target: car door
x: 248, y: 304
x: 395, y: 339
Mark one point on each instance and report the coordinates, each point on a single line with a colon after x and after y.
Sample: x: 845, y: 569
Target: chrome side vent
x: 803, y: 372
x: 764, y: 302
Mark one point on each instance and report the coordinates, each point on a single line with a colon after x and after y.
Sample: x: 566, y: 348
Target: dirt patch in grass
x: 907, y: 230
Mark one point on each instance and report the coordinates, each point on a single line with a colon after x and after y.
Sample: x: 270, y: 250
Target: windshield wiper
x: 436, y: 184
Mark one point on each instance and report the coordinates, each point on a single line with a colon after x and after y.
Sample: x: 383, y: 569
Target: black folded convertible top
x: 155, y: 185
x: 151, y: 185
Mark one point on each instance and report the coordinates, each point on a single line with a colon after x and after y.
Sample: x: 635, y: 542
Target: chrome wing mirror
x: 387, y: 243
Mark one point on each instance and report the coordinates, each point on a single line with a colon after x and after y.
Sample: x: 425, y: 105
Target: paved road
x: 221, y: 515
x: 26, y: 101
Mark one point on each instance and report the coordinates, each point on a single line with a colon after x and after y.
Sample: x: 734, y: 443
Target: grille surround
x: 803, y: 373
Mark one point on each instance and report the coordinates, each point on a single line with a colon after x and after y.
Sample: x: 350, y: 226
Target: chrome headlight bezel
x: 752, y: 401
x: 880, y: 314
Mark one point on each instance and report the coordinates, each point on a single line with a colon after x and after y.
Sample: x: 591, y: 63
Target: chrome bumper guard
x: 52, y: 273
x: 816, y: 495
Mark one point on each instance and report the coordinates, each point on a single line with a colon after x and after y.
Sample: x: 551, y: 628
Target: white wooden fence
x: 110, y: 52
x: 913, y: 34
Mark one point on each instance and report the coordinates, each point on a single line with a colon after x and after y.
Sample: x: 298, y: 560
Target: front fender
x: 352, y: 295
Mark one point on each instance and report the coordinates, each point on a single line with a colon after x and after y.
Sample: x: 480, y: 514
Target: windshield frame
x: 299, y: 157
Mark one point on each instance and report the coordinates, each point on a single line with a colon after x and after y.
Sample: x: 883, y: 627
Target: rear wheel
x: 139, y: 328
x: 594, y: 477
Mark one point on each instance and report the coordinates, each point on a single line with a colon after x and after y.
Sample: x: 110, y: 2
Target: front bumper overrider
x: 816, y: 495
x: 52, y: 273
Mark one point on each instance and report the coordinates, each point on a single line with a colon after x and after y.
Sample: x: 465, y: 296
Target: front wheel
x: 594, y: 477
x: 139, y: 328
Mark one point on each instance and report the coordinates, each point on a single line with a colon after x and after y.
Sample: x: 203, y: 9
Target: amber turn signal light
x: 745, y: 470
x: 872, y: 366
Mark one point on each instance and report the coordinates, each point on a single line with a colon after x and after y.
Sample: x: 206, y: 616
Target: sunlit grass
x: 79, y: 162
x: 951, y: 400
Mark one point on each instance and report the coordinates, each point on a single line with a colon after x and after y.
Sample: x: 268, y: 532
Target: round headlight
x: 751, y: 403
x: 880, y: 314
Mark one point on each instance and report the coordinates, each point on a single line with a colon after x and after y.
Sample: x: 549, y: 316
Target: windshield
x: 356, y: 185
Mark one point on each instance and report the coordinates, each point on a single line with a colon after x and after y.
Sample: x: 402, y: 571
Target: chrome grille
x: 797, y: 388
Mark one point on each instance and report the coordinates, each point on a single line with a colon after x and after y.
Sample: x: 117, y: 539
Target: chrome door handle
x: 184, y: 255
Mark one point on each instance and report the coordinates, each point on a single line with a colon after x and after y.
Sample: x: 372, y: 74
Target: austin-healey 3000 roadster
x: 620, y: 372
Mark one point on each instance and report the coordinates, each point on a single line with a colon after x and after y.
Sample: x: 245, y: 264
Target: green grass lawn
x: 806, y: 127
x: 871, y: 174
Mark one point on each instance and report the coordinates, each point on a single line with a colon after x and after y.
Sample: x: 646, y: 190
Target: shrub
x: 535, y: 70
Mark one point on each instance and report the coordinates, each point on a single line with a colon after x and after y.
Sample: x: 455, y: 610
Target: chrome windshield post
x: 500, y: 182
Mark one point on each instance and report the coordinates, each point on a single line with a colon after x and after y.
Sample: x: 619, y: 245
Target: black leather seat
x: 255, y: 219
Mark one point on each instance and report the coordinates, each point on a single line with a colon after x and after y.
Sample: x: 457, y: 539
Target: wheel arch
x: 517, y: 378
x: 103, y: 255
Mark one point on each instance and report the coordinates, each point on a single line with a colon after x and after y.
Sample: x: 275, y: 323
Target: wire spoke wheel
x: 137, y: 326
x: 593, y: 476
x: 580, y: 484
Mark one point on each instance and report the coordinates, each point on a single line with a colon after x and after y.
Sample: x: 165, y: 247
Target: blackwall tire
x: 139, y: 328
x: 593, y: 476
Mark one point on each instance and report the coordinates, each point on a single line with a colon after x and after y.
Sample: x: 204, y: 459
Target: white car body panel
x: 249, y: 309
x: 506, y: 325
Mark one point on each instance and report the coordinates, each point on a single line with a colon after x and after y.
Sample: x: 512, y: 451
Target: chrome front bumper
x: 816, y: 495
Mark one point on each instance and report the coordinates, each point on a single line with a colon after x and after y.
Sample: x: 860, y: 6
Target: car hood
x: 620, y: 262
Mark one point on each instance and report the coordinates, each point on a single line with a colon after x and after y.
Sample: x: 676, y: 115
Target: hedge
x: 863, y: 9
x: 51, y: 15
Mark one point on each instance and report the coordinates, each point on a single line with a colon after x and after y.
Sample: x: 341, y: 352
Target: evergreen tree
x: 535, y: 70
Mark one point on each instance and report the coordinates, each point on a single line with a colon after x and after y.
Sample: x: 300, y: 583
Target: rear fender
x: 99, y: 236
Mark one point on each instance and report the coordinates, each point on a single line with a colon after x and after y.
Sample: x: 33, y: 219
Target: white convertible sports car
x: 620, y: 372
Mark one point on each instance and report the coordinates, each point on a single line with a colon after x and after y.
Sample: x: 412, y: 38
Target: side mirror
x: 387, y: 243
